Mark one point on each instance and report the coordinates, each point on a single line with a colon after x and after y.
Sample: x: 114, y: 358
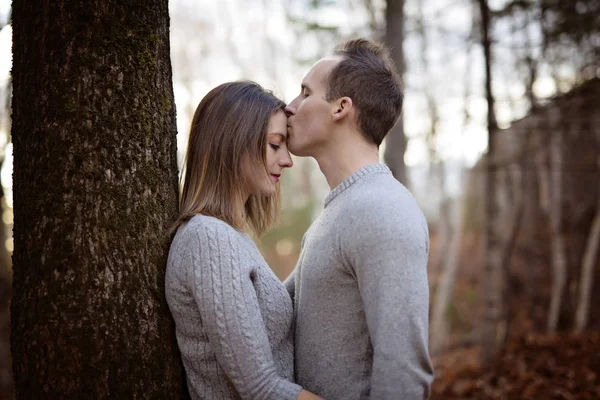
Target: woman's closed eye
x: 275, y: 146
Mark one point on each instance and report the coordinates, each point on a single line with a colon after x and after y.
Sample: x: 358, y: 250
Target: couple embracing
x: 351, y: 321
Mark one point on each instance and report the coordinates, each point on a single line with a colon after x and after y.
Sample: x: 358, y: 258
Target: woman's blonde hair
x: 230, y: 121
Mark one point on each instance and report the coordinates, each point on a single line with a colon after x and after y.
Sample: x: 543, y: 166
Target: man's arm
x: 388, y: 252
x: 290, y: 283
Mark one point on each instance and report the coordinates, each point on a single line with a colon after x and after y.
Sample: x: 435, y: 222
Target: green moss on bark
x: 95, y: 184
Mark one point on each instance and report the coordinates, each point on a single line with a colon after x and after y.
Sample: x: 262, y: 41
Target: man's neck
x: 340, y: 162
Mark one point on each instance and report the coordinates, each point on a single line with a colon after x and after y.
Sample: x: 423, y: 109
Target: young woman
x: 233, y: 316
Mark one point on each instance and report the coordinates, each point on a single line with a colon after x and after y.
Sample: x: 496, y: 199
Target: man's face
x: 309, y: 114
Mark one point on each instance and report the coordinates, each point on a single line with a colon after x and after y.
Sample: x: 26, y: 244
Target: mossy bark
x: 95, y: 186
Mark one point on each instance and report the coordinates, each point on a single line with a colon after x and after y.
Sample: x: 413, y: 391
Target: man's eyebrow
x: 304, y: 86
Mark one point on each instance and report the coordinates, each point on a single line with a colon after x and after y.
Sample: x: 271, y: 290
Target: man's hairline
x: 326, y: 78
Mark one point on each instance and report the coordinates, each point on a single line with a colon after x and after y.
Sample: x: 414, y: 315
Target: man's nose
x: 290, y: 110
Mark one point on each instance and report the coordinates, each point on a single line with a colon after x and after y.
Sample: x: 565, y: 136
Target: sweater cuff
x: 290, y: 390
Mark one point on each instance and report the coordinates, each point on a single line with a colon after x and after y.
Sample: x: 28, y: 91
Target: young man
x: 360, y: 288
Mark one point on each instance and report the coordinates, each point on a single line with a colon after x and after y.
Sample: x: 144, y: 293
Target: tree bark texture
x: 95, y: 186
x: 395, y: 145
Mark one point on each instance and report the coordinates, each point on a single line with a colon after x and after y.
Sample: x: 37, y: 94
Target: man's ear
x: 341, y: 108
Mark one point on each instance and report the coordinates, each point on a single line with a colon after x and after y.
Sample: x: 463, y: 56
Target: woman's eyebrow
x: 283, y: 136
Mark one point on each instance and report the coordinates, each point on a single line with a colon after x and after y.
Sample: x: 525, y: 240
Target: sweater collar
x: 355, y: 177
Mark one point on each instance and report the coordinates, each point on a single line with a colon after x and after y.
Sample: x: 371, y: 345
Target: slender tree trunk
x: 559, y: 258
x: 543, y: 169
x: 444, y: 235
x: 95, y: 186
x: 439, y: 326
x: 437, y: 173
x: 590, y: 259
x: 395, y: 145
x: 492, y: 270
x: 517, y: 179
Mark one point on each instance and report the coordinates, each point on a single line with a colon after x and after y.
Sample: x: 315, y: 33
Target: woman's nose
x: 286, y: 161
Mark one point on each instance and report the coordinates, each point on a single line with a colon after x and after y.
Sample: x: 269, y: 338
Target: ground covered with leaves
x: 532, y: 367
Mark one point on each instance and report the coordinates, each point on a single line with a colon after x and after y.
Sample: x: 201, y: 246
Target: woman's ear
x: 341, y: 108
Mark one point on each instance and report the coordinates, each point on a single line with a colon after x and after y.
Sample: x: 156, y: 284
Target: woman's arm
x: 231, y: 317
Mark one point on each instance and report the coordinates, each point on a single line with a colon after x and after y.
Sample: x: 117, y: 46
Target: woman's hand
x: 306, y: 395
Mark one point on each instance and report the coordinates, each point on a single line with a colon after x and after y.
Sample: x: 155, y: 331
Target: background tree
x: 492, y: 273
x: 590, y: 258
x: 95, y: 186
x: 395, y: 144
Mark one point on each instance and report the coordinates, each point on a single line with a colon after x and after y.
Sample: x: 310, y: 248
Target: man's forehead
x: 328, y: 61
x: 322, y: 67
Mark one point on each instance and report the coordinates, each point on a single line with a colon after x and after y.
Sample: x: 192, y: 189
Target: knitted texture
x: 361, y: 294
x: 233, y: 316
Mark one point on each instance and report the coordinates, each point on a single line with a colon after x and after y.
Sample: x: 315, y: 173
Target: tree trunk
x: 95, y: 186
x: 559, y: 258
x: 444, y: 232
x: 515, y: 217
x: 590, y: 259
x: 395, y: 144
x: 439, y: 326
x: 587, y: 273
x: 492, y: 269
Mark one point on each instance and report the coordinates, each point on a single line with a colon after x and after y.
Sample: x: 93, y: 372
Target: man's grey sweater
x: 233, y: 316
x: 361, y: 294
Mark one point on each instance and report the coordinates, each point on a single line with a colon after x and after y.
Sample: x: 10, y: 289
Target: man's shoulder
x: 381, y: 208
x: 382, y: 195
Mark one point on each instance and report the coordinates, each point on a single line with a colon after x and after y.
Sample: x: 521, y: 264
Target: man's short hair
x: 369, y: 77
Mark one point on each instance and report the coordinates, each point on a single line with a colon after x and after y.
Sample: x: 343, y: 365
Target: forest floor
x: 565, y: 366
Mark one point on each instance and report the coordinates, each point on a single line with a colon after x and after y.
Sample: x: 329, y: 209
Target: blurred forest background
x: 499, y: 142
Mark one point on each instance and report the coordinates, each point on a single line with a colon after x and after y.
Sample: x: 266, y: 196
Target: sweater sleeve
x: 230, y: 313
x: 290, y: 284
x: 290, y: 281
x: 388, y: 251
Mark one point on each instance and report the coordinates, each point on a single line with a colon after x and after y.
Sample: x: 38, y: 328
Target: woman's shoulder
x: 203, y: 222
x: 201, y: 227
x: 206, y: 236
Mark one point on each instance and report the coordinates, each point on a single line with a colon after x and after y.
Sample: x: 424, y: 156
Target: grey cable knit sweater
x: 233, y: 316
x: 361, y: 295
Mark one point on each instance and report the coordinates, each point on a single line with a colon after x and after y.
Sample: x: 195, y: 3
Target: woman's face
x: 278, y: 158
